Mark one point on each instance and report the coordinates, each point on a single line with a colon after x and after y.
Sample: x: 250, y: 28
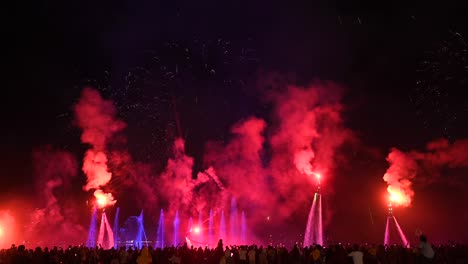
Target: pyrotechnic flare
x: 398, y: 176
x: 96, y: 117
x: 104, y: 199
x: 404, y: 166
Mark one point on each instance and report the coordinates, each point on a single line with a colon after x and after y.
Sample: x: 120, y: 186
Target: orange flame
x: 398, y: 197
x: 104, y: 199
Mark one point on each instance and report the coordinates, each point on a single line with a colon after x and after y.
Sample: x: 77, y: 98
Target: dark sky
x: 375, y: 50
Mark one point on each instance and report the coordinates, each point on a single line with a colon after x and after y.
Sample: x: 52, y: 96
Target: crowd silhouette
x: 252, y: 254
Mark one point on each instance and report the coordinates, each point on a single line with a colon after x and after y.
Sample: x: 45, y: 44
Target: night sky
x: 403, y: 69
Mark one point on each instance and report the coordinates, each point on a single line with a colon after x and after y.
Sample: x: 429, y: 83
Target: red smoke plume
x: 307, y: 131
x: 96, y: 117
x: 238, y: 164
x: 54, y: 169
x: 176, y: 183
x: 269, y: 175
x: 135, y: 176
x: 403, y: 169
x: 406, y: 167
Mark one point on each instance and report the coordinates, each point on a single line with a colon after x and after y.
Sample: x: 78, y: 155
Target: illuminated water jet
x: 319, y: 221
x: 141, y: 237
x: 402, y: 235
x: 116, y: 228
x: 243, y: 229
x: 176, y: 229
x: 314, y: 229
x: 106, y: 242
x: 222, y: 226
x: 391, y: 218
x: 387, y: 230
x: 309, y: 236
x: 160, y: 233
x: 199, y: 227
x: 233, y: 222
x: 210, y: 228
x: 91, y: 241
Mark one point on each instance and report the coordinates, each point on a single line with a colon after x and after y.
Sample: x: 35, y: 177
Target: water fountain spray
x: 314, y: 228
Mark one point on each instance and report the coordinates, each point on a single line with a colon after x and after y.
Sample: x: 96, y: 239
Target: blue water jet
x: 243, y: 229
x: 234, y: 223
x: 160, y: 233
x: 176, y: 228
x: 210, y: 228
x: 91, y: 241
x: 116, y: 228
x: 222, y: 227
x: 141, y: 236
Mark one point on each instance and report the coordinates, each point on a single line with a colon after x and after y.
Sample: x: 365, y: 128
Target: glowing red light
x: 196, y: 230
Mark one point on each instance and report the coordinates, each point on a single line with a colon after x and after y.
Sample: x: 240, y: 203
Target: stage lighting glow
x: 1, y: 231
x: 196, y: 230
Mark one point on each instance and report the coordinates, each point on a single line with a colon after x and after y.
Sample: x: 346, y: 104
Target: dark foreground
x: 338, y: 254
